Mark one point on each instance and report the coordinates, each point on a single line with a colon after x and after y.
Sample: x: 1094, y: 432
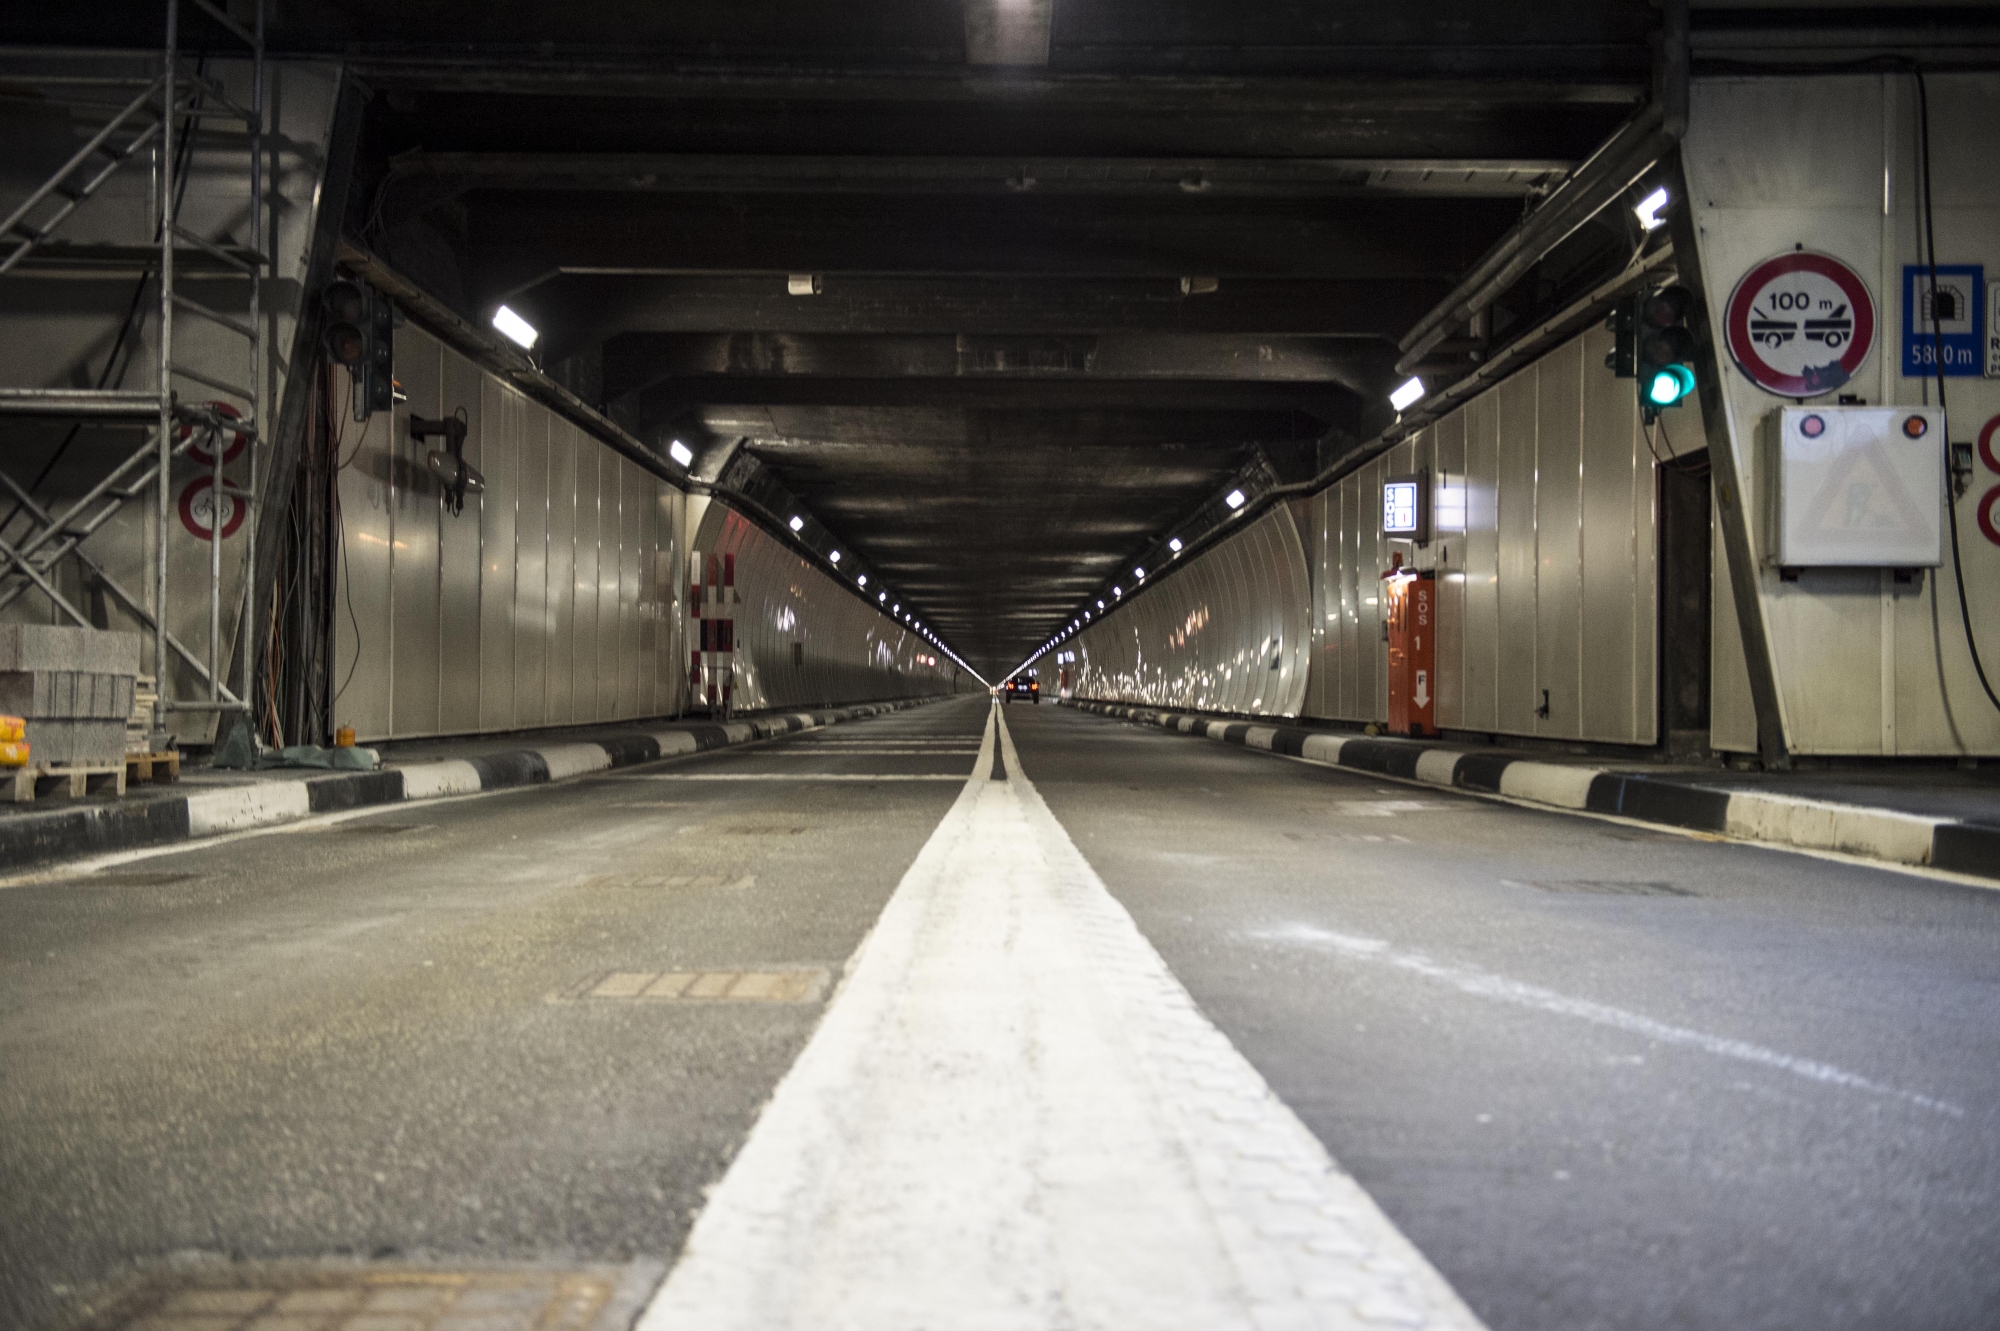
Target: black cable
x: 1937, y: 355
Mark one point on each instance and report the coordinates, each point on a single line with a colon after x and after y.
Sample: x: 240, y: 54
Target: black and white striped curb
x: 1786, y: 820
x: 91, y: 829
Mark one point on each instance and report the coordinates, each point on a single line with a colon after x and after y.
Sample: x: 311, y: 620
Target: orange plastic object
x: 343, y: 738
x: 12, y: 727
x: 13, y: 753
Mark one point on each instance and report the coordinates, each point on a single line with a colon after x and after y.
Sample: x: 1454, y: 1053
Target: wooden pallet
x: 159, y: 768
x: 23, y: 785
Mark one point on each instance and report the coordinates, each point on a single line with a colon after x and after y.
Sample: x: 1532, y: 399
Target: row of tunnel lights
x: 1403, y: 398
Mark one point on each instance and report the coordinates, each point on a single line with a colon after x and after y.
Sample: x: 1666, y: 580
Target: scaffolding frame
x: 167, y: 111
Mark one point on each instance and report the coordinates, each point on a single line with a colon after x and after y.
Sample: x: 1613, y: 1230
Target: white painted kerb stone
x: 235, y: 807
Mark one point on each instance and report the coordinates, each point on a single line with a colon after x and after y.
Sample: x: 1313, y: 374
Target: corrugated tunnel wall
x: 1545, y: 541
x: 558, y: 596
x: 1228, y: 632
x: 804, y: 639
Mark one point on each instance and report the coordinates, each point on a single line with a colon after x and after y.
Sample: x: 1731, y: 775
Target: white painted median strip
x: 1013, y: 1116
x: 1485, y: 984
x: 794, y: 776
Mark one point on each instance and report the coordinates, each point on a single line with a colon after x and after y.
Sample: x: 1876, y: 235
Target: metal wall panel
x: 1558, y: 587
x: 1515, y: 667
x: 1482, y: 562
x: 364, y: 620
x: 1448, y: 521
x: 498, y: 450
x: 459, y: 538
x: 852, y: 650
x: 632, y: 533
x: 1207, y: 633
x: 1544, y: 546
x: 531, y: 569
x: 414, y: 546
x: 560, y: 681
x: 1619, y: 561
x: 592, y: 546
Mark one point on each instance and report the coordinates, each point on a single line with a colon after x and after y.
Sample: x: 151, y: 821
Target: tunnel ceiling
x: 1003, y: 390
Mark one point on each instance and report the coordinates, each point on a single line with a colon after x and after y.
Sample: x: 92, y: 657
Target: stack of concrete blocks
x: 74, y: 688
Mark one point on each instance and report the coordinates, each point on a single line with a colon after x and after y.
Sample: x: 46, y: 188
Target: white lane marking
x: 1486, y: 984
x: 1013, y: 1116
x: 860, y: 753
x: 791, y: 776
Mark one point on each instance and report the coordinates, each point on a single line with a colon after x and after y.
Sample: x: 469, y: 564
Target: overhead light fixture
x: 1648, y: 211
x: 861, y: 579
x: 896, y: 609
x: 1175, y: 545
x: 1410, y: 393
x: 1100, y: 606
x: 1234, y: 499
x: 1139, y: 573
x: 834, y: 556
x: 516, y: 329
x: 1117, y: 591
x: 681, y: 453
x: 797, y: 524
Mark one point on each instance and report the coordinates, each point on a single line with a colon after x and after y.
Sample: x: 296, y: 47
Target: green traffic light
x: 1669, y: 384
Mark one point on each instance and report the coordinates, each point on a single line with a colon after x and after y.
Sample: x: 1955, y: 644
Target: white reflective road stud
x: 1013, y: 1116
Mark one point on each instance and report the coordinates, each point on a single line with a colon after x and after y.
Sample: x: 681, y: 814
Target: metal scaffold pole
x: 166, y: 119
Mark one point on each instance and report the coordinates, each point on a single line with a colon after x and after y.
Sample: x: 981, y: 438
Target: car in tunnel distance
x: 1022, y: 686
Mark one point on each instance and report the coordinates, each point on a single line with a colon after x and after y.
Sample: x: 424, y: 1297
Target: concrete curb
x: 1783, y: 820
x: 95, y: 829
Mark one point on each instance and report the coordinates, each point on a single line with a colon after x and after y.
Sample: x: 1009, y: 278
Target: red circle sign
x: 1800, y: 324
x: 1986, y: 524
x: 238, y: 440
x: 1986, y: 454
x: 198, y: 510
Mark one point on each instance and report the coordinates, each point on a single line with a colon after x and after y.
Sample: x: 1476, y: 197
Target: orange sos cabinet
x: 1410, y: 612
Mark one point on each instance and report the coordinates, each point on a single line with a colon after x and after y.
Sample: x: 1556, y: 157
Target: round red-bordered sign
x: 1986, y: 453
x: 238, y: 440
x: 1800, y: 324
x: 1986, y: 525
x: 198, y: 510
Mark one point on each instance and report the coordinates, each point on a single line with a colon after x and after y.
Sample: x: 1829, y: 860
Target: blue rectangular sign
x: 1949, y: 319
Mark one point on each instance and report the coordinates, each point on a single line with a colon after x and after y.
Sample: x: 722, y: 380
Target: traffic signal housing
x: 1652, y: 344
x: 361, y: 336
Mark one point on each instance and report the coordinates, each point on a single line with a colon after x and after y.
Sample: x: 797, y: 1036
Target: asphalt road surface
x: 1601, y: 1076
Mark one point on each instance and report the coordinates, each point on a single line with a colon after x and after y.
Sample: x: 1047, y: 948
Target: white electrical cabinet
x: 1857, y: 487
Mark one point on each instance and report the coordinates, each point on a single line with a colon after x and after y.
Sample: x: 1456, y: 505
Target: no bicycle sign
x: 1800, y: 324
